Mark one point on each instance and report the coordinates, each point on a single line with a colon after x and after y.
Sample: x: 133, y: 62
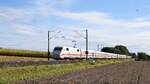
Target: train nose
x: 56, y: 54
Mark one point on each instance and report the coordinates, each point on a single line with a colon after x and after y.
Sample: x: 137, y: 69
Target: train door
x: 93, y: 55
x: 67, y: 53
x: 80, y: 53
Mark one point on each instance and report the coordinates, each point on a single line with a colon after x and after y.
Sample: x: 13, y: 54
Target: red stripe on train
x: 75, y: 55
x: 72, y: 54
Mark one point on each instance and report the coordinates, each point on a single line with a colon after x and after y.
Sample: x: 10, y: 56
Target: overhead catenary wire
x: 66, y: 37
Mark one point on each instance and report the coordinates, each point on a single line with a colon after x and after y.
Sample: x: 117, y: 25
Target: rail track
x: 36, y: 63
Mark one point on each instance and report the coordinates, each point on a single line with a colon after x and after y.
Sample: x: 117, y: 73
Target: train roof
x: 67, y: 47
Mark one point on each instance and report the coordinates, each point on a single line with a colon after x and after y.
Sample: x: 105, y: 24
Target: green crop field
x: 22, y: 53
x: 12, y: 74
x: 14, y: 58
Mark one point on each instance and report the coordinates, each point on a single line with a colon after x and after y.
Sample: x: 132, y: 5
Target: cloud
x: 25, y: 29
x: 135, y: 41
x: 46, y: 8
x: 100, y: 18
x: 103, y: 27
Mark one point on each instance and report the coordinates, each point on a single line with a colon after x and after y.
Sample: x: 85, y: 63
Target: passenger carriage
x: 77, y: 53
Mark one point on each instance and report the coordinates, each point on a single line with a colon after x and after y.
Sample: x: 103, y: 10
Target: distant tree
x: 111, y: 50
x: 123, y: 49
x: 118, y: 49
x: 133, y: 55
x: 142, y: 56
x: 148, y: 57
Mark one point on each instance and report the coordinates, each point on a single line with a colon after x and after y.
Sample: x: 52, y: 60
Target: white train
x: 76, y: 53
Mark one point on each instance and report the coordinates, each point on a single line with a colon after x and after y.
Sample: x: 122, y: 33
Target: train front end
x: 57, y: 52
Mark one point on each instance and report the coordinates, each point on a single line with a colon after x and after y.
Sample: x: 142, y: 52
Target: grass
x: 13, y: 58
x: 12, y: 74
x: 23, y: 53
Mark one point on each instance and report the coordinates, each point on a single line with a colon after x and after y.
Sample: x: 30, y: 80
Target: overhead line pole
x: 49, y: 38
x: 48, y: 46
x: 86, y: 44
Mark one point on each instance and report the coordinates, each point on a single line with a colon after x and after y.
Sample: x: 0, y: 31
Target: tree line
x: 123, y: 50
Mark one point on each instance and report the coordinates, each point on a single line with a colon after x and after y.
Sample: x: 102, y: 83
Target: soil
x: 126, y: 73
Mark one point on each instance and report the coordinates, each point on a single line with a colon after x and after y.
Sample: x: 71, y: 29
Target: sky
x: 24, y: 24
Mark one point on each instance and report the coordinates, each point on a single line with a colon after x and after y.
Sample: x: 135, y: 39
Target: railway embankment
x: 13, y: 74
x: 125, y: 73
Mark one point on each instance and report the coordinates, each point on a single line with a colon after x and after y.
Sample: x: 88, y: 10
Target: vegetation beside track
x: 12, y: 74
x: 14, y: 58
x: 137, y: 72
x: 22, y: 53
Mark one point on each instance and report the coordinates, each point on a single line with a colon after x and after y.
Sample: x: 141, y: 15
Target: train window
x: 77, y: 50
x: 67, y: 49
x: 57, y: 48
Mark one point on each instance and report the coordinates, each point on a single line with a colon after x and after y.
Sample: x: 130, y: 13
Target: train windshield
x: 57, y: 48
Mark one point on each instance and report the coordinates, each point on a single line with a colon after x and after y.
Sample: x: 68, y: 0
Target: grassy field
x: 136, y: 72
x: 12, y: 74
x: 14, y: 58
x: 22, y: 53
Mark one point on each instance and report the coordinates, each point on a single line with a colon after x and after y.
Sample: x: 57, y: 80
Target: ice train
x: 61, y: 52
